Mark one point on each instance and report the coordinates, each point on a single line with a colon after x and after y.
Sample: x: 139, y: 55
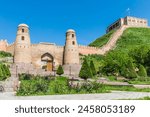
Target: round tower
x: 22, y: 52
x: 71, y: 52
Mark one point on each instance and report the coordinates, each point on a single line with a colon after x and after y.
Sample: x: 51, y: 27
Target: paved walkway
x: 103, y: 96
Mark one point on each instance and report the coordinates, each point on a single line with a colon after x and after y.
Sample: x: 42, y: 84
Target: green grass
x: 36, y: 85
x: 99, y: 42
x: 132, y: 38
x: 126, y: 88
x: 144, y: 98
x: 139, y: 82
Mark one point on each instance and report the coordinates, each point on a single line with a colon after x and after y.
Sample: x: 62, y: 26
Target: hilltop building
x: 128, y: 21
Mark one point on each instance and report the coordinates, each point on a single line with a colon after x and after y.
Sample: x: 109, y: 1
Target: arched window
x: 22, y: 30
x: 72, y: 35
x: 73, y: 42
x: 22, y: 38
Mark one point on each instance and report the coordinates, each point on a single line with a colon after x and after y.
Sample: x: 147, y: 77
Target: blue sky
x: 49, y: 19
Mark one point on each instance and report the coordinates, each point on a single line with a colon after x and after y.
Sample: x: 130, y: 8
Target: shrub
x: 85, y: 71
x: 93, y: 68
x: 4, y: 72
x: 33, y: 87
x: 60, y: 70
x: 142, y: 71
x: 4, y: 54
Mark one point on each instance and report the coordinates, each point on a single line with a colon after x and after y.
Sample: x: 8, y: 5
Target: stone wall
x: 85, y: 50
x: 10, y: 48
x: 3, y: 45
x: 37, y: 50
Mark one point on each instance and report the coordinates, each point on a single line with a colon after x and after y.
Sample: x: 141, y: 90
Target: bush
x: 85, y: 71
x: 142, y: 71
x: 4, y: 54
x: 4, y: 72
x: 93, y: 68
x: 33, y: 87
x: 60, y: 70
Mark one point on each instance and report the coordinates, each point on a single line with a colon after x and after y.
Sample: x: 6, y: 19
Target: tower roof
x: 23, y: 25
x: 70, y: 30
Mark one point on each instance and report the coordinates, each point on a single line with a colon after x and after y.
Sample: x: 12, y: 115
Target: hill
x: 133, y: 38
x: 99, y: 42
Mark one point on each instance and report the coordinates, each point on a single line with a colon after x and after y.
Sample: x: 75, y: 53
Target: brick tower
x: 22, y: 53
x: 71, y: 52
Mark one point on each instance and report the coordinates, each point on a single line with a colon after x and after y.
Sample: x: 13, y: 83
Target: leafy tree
x: 139, y: 54
x: 142, y: 71
x: 85, y: 71
x: 6, y: 70
x: 1, y: 73
x: 132, y: 72
x: 4, y: 54
x: 60, y: 70
x: 93, y: 68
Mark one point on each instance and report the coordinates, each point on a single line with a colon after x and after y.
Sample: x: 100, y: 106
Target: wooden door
x: 49, y: 66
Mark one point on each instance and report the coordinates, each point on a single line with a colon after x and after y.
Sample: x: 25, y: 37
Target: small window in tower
x: 23, y: 30
x: 72, y: 35
x: 73, y: 42
x: 22, y: 38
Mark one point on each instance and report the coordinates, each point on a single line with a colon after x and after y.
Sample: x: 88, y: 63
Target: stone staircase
x: 112, y: 42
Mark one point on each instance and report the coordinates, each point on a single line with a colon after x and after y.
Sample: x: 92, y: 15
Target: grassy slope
x: 133, y: 37
x: 99, y: 42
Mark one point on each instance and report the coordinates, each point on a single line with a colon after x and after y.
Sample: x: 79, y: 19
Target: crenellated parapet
x: 3, y: 45
x: 85, y: 50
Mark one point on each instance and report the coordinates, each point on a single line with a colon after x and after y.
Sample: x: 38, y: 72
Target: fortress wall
x: 3, y: 45
x: 37, y: 50
x: 85, y: 50
x: 10, y: 48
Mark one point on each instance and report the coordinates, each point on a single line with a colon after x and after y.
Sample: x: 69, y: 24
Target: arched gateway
x: 47, y: 60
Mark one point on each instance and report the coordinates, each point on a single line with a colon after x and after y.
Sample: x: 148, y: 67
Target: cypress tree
x: 93, y: 68
x: 132, y: 73
x: 60, y: 70
x: 85, y: 71
x: 142, y: 71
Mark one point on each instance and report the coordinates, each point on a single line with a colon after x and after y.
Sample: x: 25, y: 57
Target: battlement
x: 59, y: 46
x: 88, y: 47
x: 3, y: 45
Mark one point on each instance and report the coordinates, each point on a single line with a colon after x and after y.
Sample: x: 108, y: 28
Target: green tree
x: 93, y: 68
x: 142, y: 71
x: 132, y: 72
x: 85, y: 71
x: 60, y: 70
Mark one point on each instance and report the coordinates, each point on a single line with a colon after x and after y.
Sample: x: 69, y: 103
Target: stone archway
x: 48, y: 61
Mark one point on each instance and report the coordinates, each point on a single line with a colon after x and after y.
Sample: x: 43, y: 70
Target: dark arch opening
x: 48, y: 60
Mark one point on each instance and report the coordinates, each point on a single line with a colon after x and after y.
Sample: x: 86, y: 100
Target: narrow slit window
x: 72, y: 35
x: 23, y: 30
x: 73, y: 42
x: 22, y: 38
